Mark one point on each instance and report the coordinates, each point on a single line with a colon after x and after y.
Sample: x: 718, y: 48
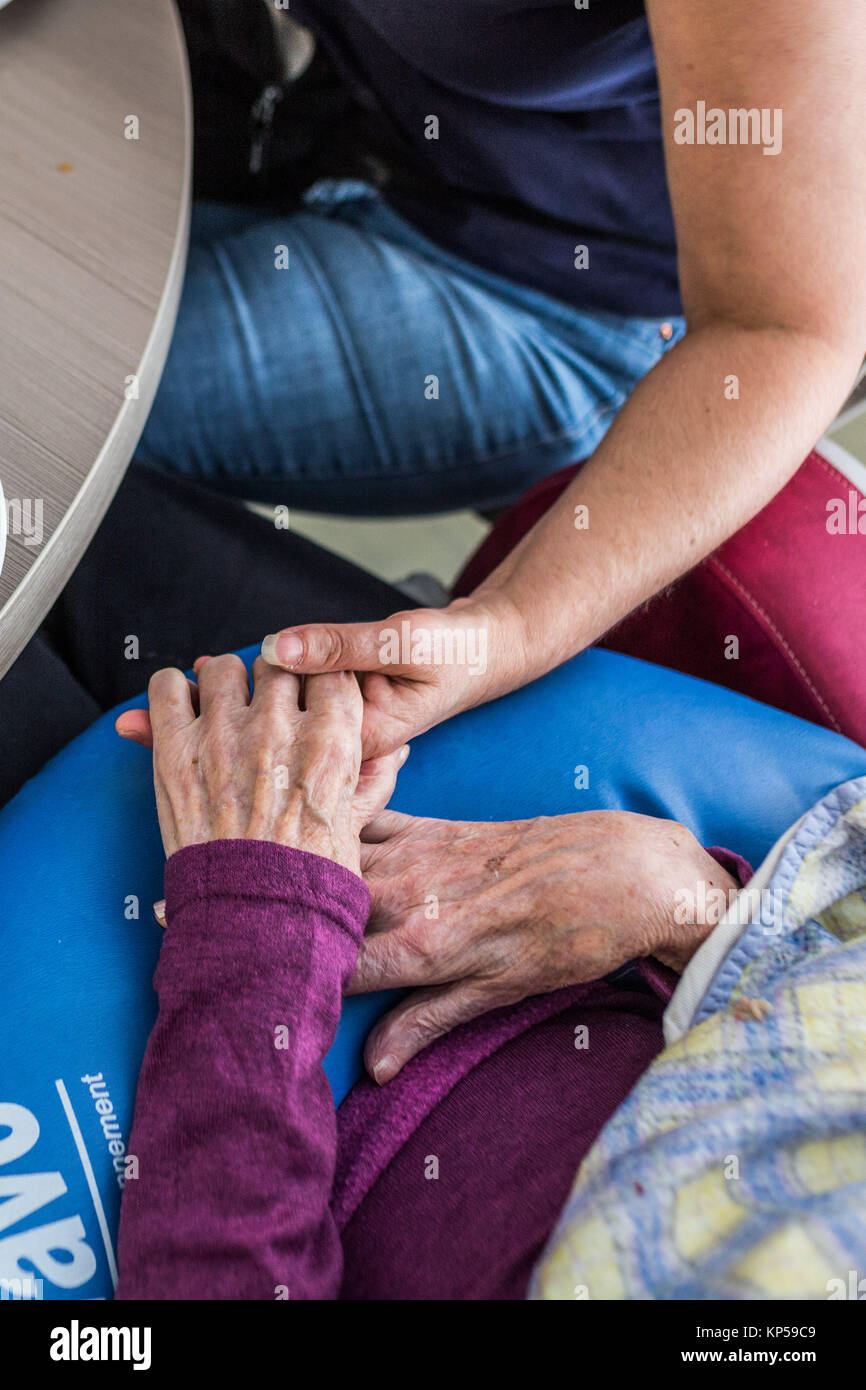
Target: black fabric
x: 224, y: 91
x: 257, y: 137
x: 182, y: 573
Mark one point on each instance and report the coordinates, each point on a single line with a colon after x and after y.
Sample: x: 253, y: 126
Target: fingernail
x: 131, y: 734
x: 404, y: 753
x: 386, y: 1068
x: 282, y: 649
x: 159, y: 912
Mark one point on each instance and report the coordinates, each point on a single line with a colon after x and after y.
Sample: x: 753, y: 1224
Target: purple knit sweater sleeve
x: 234, y: 1127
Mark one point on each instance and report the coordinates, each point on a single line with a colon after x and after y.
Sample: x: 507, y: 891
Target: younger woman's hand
x: 416, y: 668
x: 266, y: 767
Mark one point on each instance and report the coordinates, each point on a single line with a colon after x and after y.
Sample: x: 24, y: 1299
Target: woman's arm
x: 234, y: 1132
x: 234, y: 1126
x: 772, y: 260
x: 772, y: 265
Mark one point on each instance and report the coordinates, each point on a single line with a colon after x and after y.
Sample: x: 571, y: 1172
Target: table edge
x: 40, y: 587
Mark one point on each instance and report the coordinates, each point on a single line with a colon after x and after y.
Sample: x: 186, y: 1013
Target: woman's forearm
x: 705, y: 441
x: 234, y: 1131
x: 707, y: 438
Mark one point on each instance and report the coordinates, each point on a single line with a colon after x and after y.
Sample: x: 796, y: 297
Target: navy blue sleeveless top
x: 546, y: 137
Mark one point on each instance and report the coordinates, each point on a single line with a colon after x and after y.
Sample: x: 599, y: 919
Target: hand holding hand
x: 266, y: 767
x: 416, y: 668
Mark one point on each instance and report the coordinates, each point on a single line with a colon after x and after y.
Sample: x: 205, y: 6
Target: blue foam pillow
x: 81, y: 863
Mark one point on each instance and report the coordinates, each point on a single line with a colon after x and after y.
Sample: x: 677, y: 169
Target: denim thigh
x: 333, y: 359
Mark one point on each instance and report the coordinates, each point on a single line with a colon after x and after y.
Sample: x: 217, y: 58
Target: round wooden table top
x: 95, y: 172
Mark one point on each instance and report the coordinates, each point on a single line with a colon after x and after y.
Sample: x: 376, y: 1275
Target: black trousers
x: 174, y: 572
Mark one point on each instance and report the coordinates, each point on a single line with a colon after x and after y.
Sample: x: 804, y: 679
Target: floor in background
x: 440, y: 545
x: 852, y: 437
x: 393, y: 549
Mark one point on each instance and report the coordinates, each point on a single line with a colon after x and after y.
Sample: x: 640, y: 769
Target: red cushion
x: 790, y: 587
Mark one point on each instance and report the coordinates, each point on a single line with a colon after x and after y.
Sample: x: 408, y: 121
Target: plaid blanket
x: 736, y: 1169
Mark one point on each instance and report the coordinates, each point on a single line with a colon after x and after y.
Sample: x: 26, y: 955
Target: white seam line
x: 89, y: 1175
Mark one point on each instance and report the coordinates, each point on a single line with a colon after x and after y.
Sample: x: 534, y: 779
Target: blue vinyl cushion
x: 81, y: 864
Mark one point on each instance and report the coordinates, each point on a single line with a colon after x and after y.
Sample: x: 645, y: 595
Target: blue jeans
x: 377, y: 374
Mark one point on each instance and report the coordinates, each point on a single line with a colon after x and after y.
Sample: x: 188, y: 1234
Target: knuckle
x: 333, y: 644
x: 227, y: 666
x: 162, y: 681
x: 392, y: 955
x: 421, y: 944
x: 336, y: 719
x: 335, y: 741
x: 424, y: 1020
x: 263, y: 672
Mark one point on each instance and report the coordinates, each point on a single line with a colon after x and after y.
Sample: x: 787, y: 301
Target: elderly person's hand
x: 479, y: 915
x: 281, y: 765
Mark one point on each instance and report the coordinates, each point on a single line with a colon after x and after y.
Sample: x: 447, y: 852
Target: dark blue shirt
x: 549, y: 136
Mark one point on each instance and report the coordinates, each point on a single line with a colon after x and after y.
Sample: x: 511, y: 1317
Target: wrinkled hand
x: 416, y: 668
x: 266, y: 767
x: 479, y: 915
